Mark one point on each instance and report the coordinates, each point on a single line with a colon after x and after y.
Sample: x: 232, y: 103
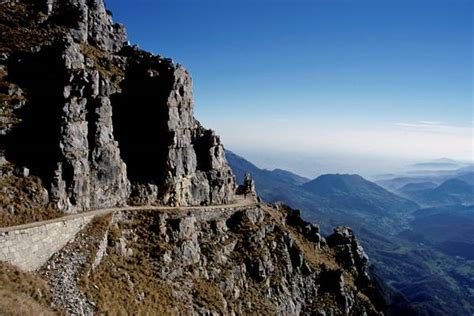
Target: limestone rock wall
x: 65, y: 129
x: 88, y: 22
x: 102, y: 123
x: 171, y: 158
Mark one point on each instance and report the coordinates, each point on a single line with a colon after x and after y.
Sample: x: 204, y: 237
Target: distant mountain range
x: 451, y: 191
x: 426, y: 254
x: 329, y: 199
x: 439, y: 164
x: 414, y: 187
x: 268, y: 181
x: 396, y: 182
x: 354, y: 192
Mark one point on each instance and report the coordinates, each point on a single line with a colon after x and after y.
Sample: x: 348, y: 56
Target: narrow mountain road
x: 239, y: 202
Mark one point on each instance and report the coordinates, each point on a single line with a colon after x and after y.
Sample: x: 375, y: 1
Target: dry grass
x: 19, y: 28
x: 24, y: 196
x: 8, y: 117
x: 116, y: 284
x: 23, y: 293
x: 105, y: 66
x: 6, y: 100
x: 325, y: 301
x: 95, y: 231
x: 108, y: 286
x: 207, y: 295
x: 20, y: 25
x: 16, y: 28
x: 259, y: 304
x: 315, y: 257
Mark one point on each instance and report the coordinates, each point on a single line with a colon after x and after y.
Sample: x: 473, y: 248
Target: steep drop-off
x: 242, y: 260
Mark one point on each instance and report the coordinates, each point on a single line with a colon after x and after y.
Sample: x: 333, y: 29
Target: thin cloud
x: 434, y: 127
x: 431, y: 122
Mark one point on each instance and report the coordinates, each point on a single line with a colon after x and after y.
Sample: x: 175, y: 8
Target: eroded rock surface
x: 238, y: 261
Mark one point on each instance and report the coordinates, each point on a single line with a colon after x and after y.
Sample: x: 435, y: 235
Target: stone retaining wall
x: 29, y: 248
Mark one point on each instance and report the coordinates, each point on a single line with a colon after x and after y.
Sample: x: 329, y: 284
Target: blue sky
x: 387, y: 78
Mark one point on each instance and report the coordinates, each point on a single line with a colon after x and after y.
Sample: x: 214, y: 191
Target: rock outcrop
x: 99, y: 122
x: 88, y: 22
x: 261, y: 259
x: 248, y: 187
x: 349, y: 252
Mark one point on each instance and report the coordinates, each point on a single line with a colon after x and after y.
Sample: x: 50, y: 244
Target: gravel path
x: 239, y: 202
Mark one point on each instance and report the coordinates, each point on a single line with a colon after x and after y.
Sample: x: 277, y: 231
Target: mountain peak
x: 337, y: 182
x: 454, y: 183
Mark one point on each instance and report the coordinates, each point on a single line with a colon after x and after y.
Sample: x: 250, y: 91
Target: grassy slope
x: 24, y: 197
x: 23, y: 293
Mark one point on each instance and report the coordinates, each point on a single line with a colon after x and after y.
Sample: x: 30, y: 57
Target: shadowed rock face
x: 66, y: 135
x: 169, y: 148
x: 103, y: 123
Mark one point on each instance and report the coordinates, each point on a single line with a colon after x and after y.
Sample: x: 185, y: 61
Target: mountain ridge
x: 324, y: 205
x: 451, y: 191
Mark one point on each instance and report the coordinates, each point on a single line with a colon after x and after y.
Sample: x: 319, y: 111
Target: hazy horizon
x: 314, y: 165
x: 379, y: 81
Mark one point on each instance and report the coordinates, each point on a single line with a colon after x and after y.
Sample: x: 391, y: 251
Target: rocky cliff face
x: 99, y: 122
x: 261, y: 259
